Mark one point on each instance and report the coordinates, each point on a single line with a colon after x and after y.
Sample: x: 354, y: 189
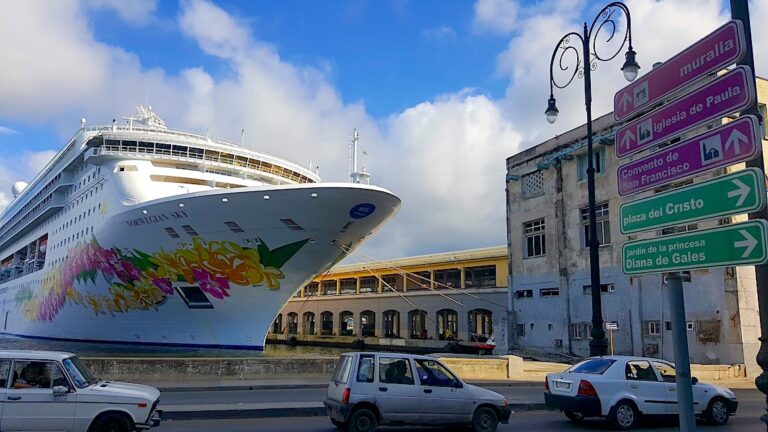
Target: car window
x: 596, y: 366
x: 365, y: 368
x: 37, y: 375
x: 393, y: 370
x: 640, y: 370
x: 341, y: 373
x: 79, y: 372
x: 431, y: 373
x: 5, y: 372
x: 666, y: 370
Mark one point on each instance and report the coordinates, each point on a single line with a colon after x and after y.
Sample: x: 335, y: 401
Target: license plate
x: 562, y: 385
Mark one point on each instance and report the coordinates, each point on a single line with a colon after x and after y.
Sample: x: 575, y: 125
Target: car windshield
x: 80, y: 373
x: 596, y: 366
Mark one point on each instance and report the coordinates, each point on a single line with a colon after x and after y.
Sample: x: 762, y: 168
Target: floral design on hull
x: 140, y: 281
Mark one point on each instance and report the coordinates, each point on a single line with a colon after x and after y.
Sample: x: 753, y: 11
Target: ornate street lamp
x: 606, y: 20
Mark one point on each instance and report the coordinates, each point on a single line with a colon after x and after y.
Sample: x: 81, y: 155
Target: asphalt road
x: 750, y: 409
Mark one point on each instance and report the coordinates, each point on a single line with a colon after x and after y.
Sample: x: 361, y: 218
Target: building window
x: 684, y: 275
x: 348, y: 286
x: 369, y: 284
x: 599, y: 155
x: 448, y: 278
x: 653, y: 328
x: 480, y: 277
x: 578, y: 331
x: 602, y: 223
x: 520, y: 330
x: 604, y: 288
x: 329, y: 287
x: 534, y: 232
x: 528, y: 293
x: 549, y: 292
x: 533, y: 184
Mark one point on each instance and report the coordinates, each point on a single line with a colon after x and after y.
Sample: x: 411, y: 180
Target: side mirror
x: 694, y: 380
x: 60, y: 390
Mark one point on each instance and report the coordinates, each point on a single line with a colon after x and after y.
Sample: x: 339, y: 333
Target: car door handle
x: 382, y: 389
x: 634, y: 386
x: 673, y: 389
x: 14, y: 397
x: 427, y: 390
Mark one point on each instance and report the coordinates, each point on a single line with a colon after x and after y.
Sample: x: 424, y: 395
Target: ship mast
x: 356, y: 176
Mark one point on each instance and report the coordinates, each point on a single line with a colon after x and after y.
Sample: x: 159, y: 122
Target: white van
x: 55, y: 391
x: 368, y: 389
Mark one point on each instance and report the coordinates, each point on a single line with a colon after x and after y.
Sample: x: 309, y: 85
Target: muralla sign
x: 731, y: 92
x: 712, y: 53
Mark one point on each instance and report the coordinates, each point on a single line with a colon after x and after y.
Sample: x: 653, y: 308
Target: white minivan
x: 368, y: 389
x: 55, y: 391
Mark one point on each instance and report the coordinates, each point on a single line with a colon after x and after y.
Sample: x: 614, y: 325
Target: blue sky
x: 441, y: 91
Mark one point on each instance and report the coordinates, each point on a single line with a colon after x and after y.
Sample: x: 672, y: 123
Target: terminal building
x: 418, y: 302
x: 550, y: 285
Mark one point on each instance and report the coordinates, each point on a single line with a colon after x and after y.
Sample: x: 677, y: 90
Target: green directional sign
x: 736, y: 244
x: 739, y: 192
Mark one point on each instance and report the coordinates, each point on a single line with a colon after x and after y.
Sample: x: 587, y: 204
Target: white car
x: 369, y: 389
x: 55, y: 391
x: 622, y: 389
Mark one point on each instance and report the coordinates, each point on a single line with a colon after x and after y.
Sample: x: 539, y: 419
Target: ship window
x: 180, y: 150
x: 189, y: 230
x: 123, y: 168
x: 172, y: 232
x: 146, y: 147
x: 234, y: 227
x: 196, y: 153
x: 194, y: 297
x: 293, y: 226
x: 129, y: 145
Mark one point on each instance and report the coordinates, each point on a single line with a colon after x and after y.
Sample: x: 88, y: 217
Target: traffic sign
x: 738, y: 192
x: 733, y: 142
x: 736, y: 244
x: 611, y: 326
x: 712, y: 53
x: 729, y: 93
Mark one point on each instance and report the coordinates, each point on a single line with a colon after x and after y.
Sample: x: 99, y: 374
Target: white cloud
x: 33, y: 162
x: 439, y: 33
x: 497, y: 16
x: 134, y: 11
x: 7, y: 131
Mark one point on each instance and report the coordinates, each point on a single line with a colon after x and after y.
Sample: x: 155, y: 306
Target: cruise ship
x: 138, y: 234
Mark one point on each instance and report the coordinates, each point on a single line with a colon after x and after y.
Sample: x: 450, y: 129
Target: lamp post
x: 604, y: 21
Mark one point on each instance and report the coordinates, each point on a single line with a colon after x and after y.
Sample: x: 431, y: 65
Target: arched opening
x: 368, y: 323
x: 309, y: 323
x: 391, y: 320
x: 480, y: 322
x: 447, y: 324
x: 293, y: 323
x: 326, y: 323
x: 346, y: 324
x: 417, y: 324
x: 277, y: 324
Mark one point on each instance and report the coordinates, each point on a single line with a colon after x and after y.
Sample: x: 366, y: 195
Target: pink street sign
x: 729, y: 93
x: 715, y: 51
x: 728, y: 144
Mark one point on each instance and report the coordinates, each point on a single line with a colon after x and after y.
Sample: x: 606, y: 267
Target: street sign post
x: 735, y: 193
x: 712, y: 53
x: 734, y: 142
x: 729, y: 93
x: 729, y: 245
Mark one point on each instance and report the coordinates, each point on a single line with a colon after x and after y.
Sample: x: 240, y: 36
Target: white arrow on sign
x: 749, y: 243
x: 628, y: 138
x: 736, y: 138
x: 742, y: 192
x: 625, y: 98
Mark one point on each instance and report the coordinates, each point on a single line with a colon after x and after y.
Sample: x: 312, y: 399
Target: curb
x: 188, y: 389
x: 216, y: 414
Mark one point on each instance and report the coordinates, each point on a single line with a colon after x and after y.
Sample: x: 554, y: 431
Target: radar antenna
x: 356, y: 176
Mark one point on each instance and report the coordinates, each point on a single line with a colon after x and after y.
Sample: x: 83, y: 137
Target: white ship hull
x: 123, y: 282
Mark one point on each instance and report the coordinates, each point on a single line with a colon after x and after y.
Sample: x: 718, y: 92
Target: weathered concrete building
x: 421, y: 301
x: 549, y: 284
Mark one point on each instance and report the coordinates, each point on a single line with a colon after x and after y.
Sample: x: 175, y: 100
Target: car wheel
x: 717, y: 411
x: 485, y: 420
x: 574, y: 416
x: 111, y: 423
x: 624, y: 415
x: 339, y: 424
x: 362, y: 420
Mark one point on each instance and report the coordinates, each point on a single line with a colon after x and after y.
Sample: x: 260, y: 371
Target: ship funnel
x: 18, y: 188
